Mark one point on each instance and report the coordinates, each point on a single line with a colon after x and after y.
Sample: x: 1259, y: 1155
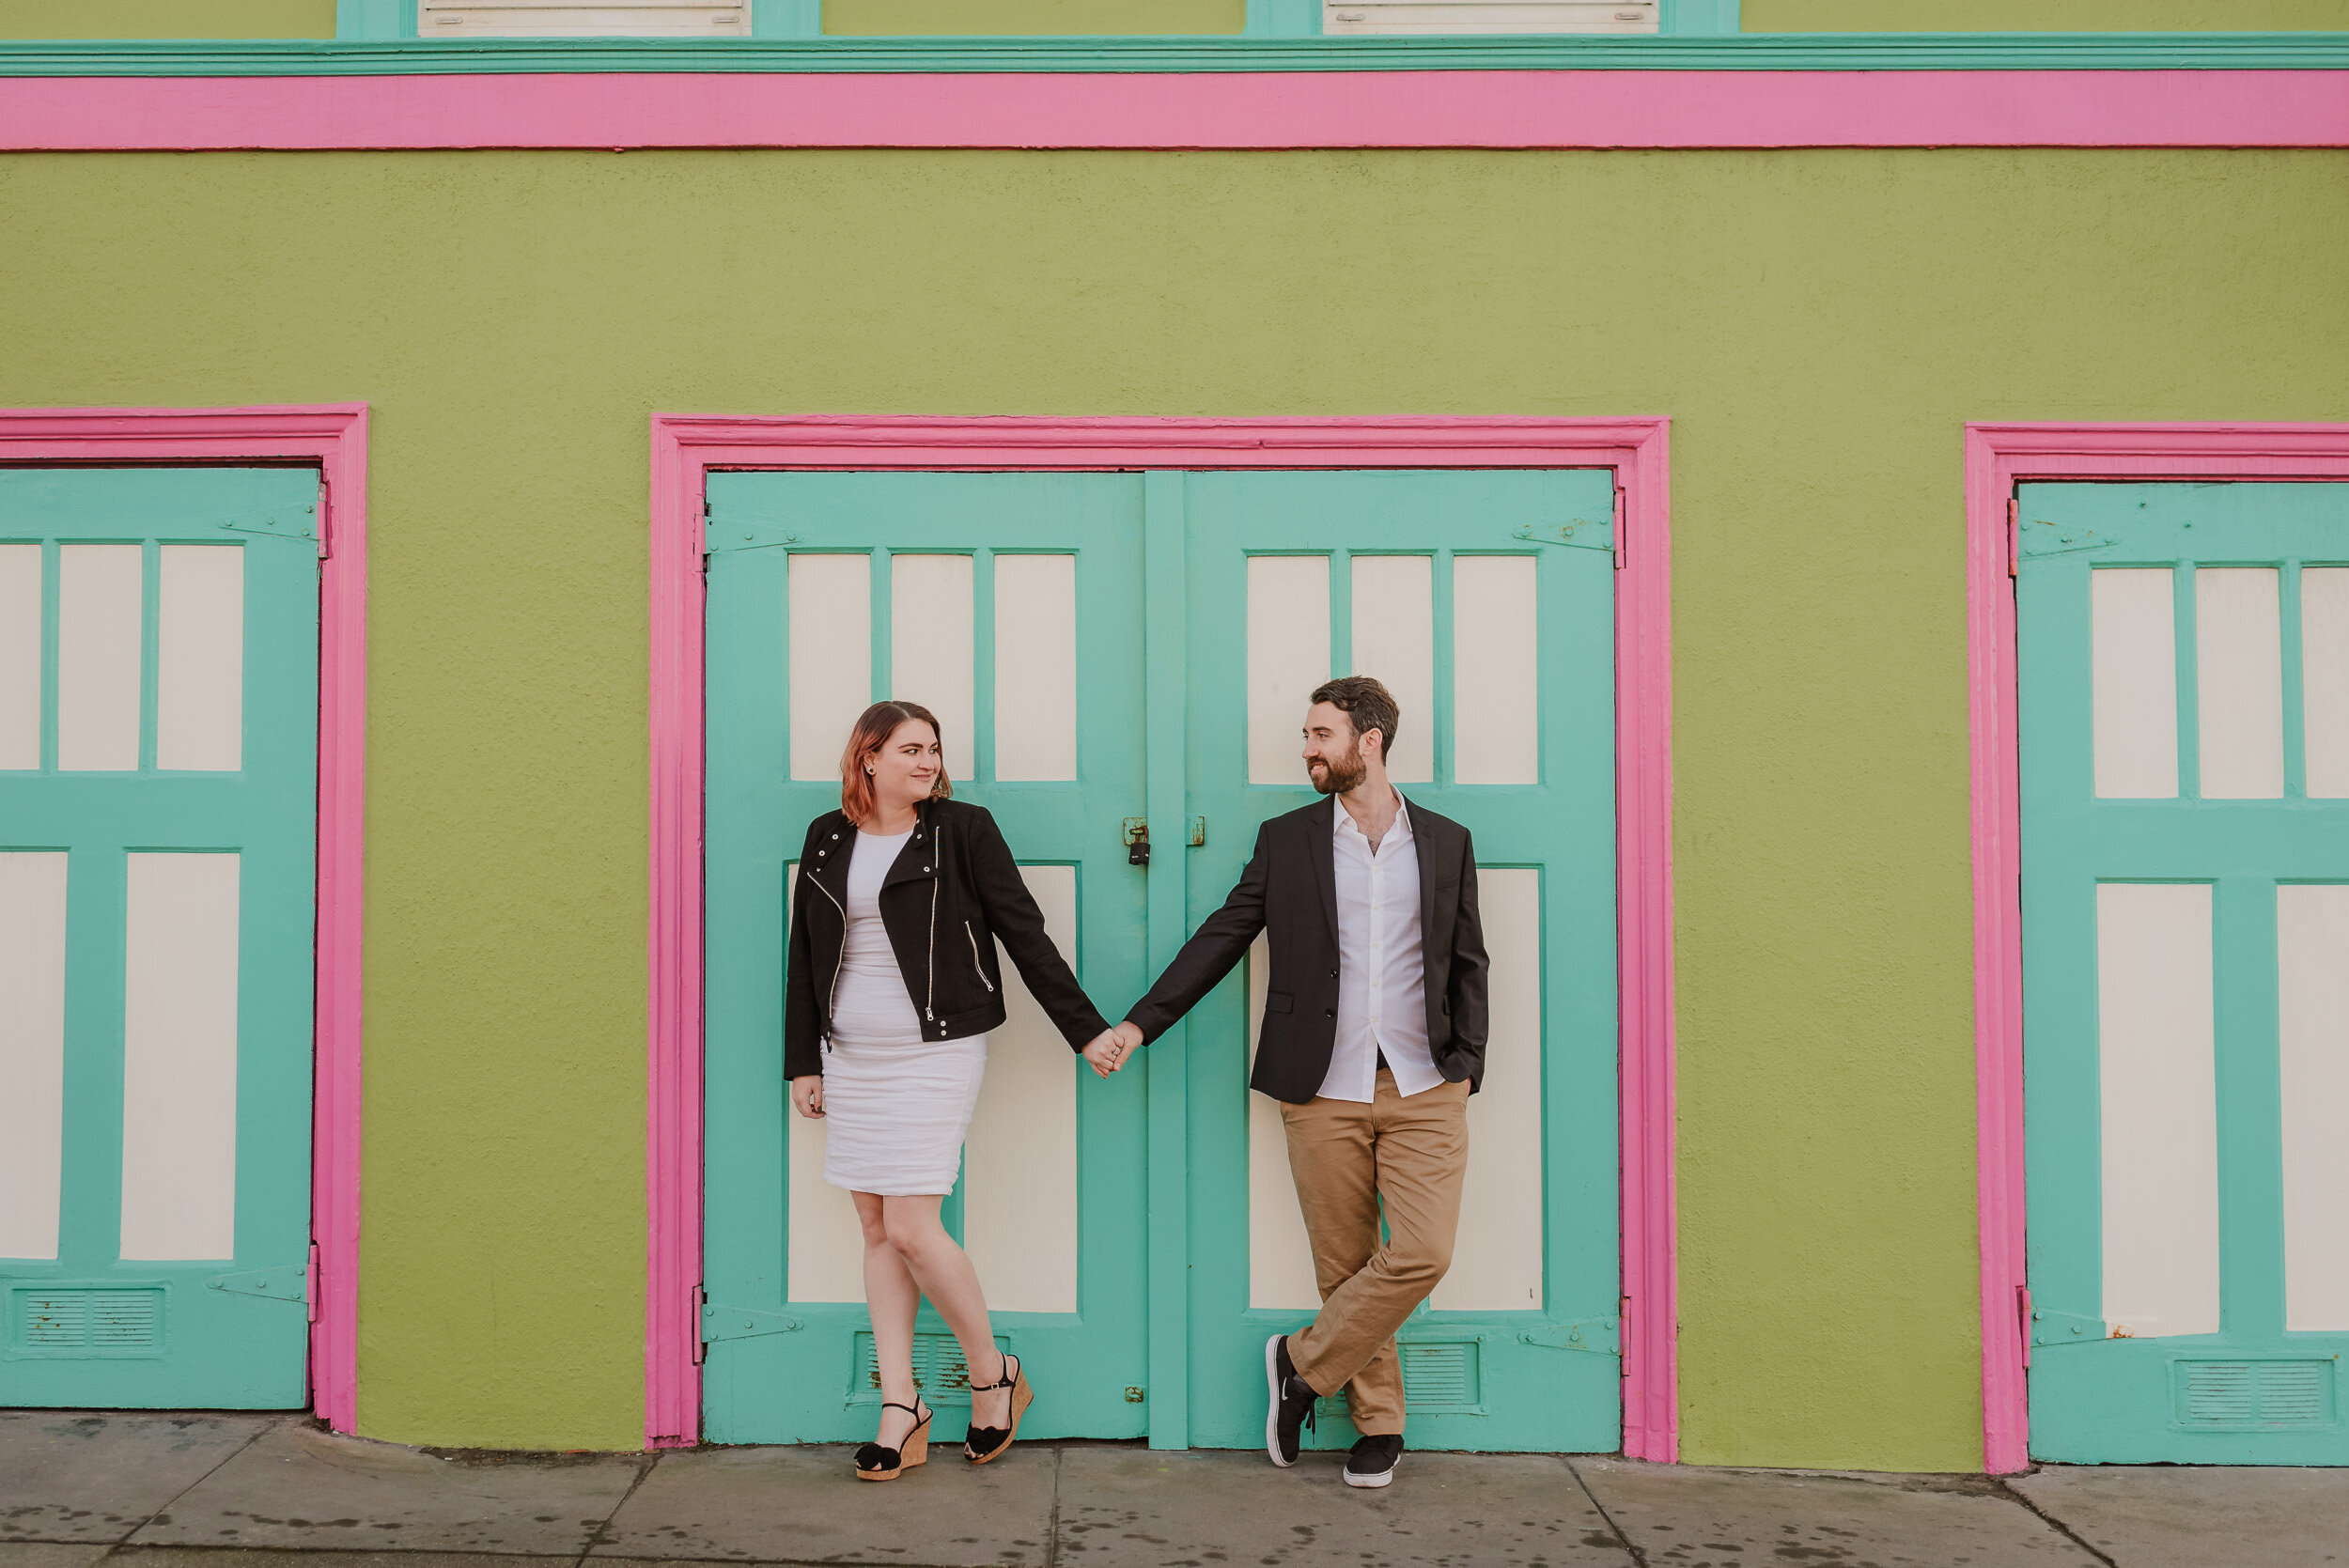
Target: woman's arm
x: 1011, y: 915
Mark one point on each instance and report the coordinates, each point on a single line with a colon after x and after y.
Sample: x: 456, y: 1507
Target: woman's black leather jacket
x: 951, y: 892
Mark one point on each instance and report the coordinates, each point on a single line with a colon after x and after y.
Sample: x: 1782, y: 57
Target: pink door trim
x: 1187, y: 109
x: 1999, y: 457
x: 686, y: 448
x: 335, y: 437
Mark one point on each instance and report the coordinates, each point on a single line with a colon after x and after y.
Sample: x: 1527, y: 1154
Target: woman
x: 892, y: 987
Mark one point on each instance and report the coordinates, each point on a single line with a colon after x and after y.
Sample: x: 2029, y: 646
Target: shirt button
x: 1328, y: 1012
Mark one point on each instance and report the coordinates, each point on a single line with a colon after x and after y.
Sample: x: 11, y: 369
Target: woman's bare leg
x: 944, y: 1273
x: 893, y: 1298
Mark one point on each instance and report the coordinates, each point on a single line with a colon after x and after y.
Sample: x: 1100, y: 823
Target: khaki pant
x: 1346, y: 1158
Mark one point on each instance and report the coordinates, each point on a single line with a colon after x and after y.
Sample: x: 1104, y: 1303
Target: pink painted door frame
x: 334, y: 436
x: 1999, y: 457
x: 686, y: 448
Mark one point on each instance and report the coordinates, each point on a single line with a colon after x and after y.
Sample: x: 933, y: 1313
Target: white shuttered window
x: 1490, y: 16
x: 565, y: 18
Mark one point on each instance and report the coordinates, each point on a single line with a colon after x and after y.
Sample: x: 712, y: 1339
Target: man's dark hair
x: 1366, y: 704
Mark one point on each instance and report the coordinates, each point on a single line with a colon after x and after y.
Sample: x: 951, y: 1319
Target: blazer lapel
x: 1422, y: 832
x: 1323, y: 853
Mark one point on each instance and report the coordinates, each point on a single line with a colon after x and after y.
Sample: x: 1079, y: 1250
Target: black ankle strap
x: 1010, y: 1376
x: 912, y: 1409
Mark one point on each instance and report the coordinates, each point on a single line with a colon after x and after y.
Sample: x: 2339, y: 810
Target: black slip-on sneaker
x: 1292, y: 1403
x: 1373, y: 1459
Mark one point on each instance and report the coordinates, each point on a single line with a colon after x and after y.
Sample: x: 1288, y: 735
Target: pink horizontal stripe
x: 1333, y: 109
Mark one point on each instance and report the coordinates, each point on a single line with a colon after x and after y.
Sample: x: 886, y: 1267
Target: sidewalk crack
x: 1998, y: 1484
x: 601, y: 1535
x: 1638, y: 1557
x: 1051, y: 1528
x: 258, y: 1432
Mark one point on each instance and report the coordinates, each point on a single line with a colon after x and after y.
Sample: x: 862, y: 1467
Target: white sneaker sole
x: 1272, y: 1412
x: 1369, y: 1481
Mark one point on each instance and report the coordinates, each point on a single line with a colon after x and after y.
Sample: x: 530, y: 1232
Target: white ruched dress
x: 895, y: 1106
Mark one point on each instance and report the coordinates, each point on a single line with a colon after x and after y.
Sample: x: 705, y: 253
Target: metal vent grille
x: 1442, y: 1377
x: 68, y: 1322
x: 2261, y: 1394
x: 938, y: 1370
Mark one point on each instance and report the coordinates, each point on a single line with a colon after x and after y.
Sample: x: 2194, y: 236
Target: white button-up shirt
x: 1382, y: 972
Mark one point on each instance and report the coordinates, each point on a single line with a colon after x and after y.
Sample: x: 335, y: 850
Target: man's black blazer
x: 1290, y: 889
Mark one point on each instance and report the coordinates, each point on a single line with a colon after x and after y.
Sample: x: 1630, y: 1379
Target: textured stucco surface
x: 1818, y: 325
x: 2042, y: 16
x: 166, y: 19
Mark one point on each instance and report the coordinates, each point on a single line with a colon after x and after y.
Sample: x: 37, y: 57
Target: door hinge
x: 734, y: 1323
x: 2042, y: 537
x: 1575, y: 533
x: 1619, y: 527
x: 2014, y: 513
x: 288, y: 1283
x: 1597, y: 1336
x: 2022, y: 1321
x: 2048, y: 1327
x: 285, y: 523
x: 731, y: 531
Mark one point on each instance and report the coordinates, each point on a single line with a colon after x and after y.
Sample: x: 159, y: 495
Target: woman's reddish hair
x: 874, y: 727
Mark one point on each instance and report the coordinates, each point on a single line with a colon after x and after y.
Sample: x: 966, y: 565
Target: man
x: 1374, y: 1038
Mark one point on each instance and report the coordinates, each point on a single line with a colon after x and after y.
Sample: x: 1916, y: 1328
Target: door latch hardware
x: 1198, y: 832
x: 1133, y: 1395
x: 1137, y: 834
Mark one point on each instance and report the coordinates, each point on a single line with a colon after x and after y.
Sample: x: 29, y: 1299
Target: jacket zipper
x: 975, y: 957
x: 930, y: 994
x: 832, y: 996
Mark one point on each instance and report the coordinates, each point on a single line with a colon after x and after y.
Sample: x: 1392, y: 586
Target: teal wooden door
x: 1009, y: 604
x: 1485, y: 601
x: 1016, y: 606
x: 2184, y: 739
x: 158, y: 755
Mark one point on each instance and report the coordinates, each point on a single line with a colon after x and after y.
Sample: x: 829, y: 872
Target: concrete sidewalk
x: 225, y: 1491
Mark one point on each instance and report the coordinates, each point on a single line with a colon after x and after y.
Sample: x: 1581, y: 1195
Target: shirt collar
x: 1346, y: 823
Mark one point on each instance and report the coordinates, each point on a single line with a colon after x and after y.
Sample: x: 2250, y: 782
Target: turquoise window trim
x: 387, y: 21
x: 378, y: 21
x: 374, y: 20
x: 1283, y: 19
x: 1706, y: 18
x: 391, y: 55
x: 1302, y: 19
x: 786, y: 18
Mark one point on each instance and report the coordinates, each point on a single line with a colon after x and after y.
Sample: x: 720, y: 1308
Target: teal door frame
x: 1999, y: 457
x: 332, y: 440
x: 686, y: 448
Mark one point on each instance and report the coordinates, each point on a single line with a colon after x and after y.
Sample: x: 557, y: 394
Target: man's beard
x: 1336, y: 777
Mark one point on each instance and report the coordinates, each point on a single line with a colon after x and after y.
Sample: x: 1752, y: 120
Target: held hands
x: 1107, y: 1051
x: 807, y: 1095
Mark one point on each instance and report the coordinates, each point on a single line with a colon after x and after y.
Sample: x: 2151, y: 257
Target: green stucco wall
x: 1818, y: 324
x: 2042, y: 16
x: 166, y: 19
